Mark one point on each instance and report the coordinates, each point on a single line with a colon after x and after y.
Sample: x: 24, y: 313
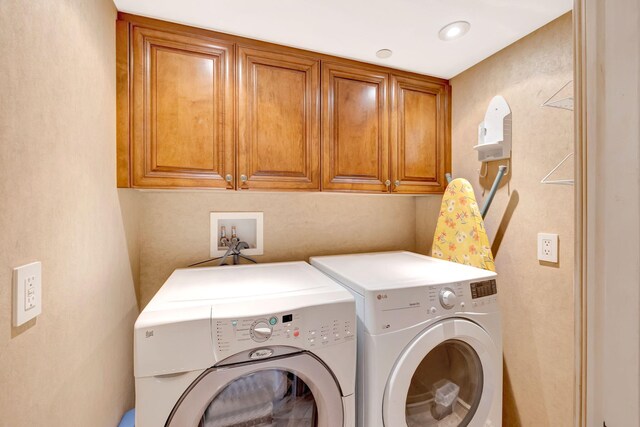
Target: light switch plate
x: 27, y: 292
x: 548, y: 247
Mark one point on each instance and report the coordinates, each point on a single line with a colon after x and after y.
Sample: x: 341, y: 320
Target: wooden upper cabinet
x: 200, y: 109
x: 420, y: 141
x: 278, y: 120
x: 355, y: 128
x: 182, y: 111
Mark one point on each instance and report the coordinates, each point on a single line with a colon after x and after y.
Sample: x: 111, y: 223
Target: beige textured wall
x: 536, y: 299
x: 427, y: 211
x: 174, y: 227
x: 72, y: 366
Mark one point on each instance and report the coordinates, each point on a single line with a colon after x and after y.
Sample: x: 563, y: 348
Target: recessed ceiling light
x: 384, y: 53
x: 454, y: 30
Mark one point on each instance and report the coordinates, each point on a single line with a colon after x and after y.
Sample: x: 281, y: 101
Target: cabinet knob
x: 243, y: 178
x: 387, y: 183
x: 396, y: 183
x: 228, y: 178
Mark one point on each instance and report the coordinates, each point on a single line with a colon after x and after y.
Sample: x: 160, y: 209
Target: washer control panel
x: 310, y: 328
x: 483, y: 289
x: 396, y: 309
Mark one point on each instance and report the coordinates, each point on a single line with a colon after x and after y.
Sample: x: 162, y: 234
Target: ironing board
x: 460, y: 234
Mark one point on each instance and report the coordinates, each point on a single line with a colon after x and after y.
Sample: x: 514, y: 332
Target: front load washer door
x: 446, y: 376
x: 293, y: 390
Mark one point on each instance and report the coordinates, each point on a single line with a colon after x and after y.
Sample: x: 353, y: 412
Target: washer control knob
x: 260, y: 331
x: 447, y: 298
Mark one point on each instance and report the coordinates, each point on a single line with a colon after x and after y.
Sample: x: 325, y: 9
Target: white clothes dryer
x: 259, y: 345
x: 429, y: 340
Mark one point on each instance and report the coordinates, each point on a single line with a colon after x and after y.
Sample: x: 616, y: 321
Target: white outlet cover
x: 548, y: 247
x: 27, y: 292
x: 249, y: 226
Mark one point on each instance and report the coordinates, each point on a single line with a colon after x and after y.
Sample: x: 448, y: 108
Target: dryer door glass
x: 264, y: 398
x: 446, y: 387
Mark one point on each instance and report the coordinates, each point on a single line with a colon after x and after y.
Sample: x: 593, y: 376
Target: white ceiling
x: 358, y: 28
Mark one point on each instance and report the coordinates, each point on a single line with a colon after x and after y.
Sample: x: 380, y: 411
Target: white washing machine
x: 429, y: 340
x: 259, y: 345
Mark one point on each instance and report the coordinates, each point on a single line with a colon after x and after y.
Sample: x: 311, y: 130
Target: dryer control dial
x: 260, y: 331
x: 447, y: 298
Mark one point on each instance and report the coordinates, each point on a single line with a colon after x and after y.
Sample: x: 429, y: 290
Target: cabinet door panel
x: 182, y: 111
x: 279, y: 142
x: 182, y: 124
x: 355, y: 129
x: 420, y: 147
x: 357, y: 122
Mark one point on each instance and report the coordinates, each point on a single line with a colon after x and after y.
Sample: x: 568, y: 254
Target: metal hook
x: 486, y: 170
x: 508, y: 167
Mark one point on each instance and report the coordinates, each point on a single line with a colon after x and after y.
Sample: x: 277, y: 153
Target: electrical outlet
x: 27, y: 292
x: 548, y: 247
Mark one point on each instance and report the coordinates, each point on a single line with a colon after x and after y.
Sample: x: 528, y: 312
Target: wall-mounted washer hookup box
x: 248, y: 227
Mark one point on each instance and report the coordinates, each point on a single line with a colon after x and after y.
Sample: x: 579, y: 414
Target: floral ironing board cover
x: 460, y: 234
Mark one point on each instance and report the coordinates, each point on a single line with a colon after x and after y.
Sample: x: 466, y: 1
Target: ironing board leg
x: 449, y: 177
x: 494, y: 188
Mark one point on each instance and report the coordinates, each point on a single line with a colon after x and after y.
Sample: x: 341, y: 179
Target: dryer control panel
x: 308, y: 328
x: 396, y: 309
